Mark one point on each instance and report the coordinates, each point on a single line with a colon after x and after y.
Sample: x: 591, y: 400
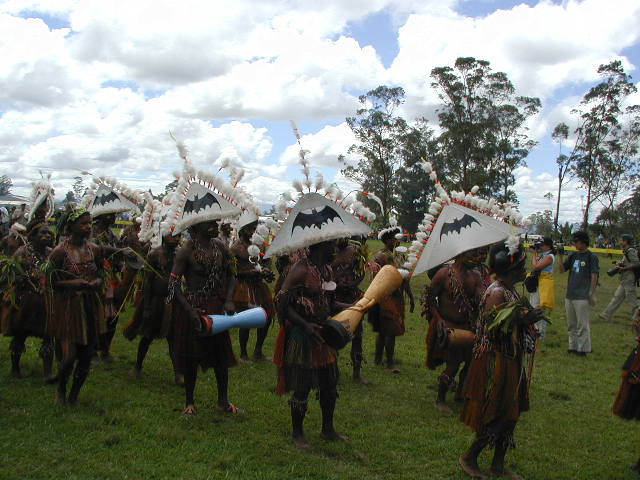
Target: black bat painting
x: 457, y: 225
x: 315, y: 218
x: 105, y: 198
x: 198, y: 203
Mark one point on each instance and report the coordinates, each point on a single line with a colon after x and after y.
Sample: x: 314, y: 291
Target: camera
x: 613, y: 271
x: 559, y: 248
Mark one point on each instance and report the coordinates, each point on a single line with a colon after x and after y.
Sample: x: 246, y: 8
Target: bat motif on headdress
x: 315, y: 218
x: 105, y: 198
x: 457, y: 225
x: 198, y: 203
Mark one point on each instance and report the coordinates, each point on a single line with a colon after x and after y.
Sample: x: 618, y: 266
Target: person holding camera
x: 544, y: 296
x: 583, y: 267
x: 628, y: 279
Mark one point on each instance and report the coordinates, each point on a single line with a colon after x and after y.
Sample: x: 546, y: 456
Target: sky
x: 89, y: 85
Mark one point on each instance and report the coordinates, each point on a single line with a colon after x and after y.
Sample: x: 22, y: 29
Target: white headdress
x: 203, y: 196
x: 321, y: 213
x: 42, y: 192
x: 457, y: 223
x: 106, y: 195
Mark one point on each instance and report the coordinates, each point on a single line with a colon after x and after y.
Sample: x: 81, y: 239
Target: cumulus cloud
x: 103, y: 93
x: 324, y: 147
x: 540, y: 47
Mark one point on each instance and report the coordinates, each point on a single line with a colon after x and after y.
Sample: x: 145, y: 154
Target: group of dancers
x: 175, y: 264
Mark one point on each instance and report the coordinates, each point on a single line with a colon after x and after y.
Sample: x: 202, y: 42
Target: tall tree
x: 484, y: 137
x: 600, y: 157
x: 5, y: 184
x: 560, y: 135
x: 379, y: 135
x: 413, y: 190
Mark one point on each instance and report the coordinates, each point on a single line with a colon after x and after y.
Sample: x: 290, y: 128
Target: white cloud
x: 541, y: 48
x: 532, y: 187
x: 103, y: 94
x: 324, y: 147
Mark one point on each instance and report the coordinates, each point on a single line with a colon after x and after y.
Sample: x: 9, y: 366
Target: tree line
x: 481, y: 137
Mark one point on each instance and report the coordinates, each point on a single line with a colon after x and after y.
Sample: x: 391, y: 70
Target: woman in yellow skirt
x: 543, y: 261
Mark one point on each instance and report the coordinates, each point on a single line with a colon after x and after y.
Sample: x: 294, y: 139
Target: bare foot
x: 301, y: 442
x: 470, y: 466
x: 505, y: 473
x: 135, y: 373
x: 443, y: 407
x: 229, y: 408
x: 189, y: 411
x: 244, y: 358
x: 334, y: 436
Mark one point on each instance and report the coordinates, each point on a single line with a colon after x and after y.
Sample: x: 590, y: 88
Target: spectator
x: 583, y: 267
x: 627, y: 288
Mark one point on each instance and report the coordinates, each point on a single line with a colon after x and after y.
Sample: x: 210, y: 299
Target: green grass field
x: 133, y: 429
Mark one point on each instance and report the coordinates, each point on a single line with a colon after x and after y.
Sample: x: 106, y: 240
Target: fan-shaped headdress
x: 460, y: 222
x: 204, y: 196
x: 106, y: 195
x: 321, y: 213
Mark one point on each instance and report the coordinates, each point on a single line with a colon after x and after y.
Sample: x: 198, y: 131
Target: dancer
x: 202, y: 280
x: 251, y: 289
x: 104, y: 200
x: 348, y: 268
x: 76, y: 315
x: 152, y: 317
x: 451, y: 305
x: 307, y: 297
x: 26, y: 315
x: 387, y: 317
x: 497, y: 387
x: 627, y: 402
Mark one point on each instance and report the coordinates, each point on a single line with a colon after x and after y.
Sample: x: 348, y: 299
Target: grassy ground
x: 125, y: 428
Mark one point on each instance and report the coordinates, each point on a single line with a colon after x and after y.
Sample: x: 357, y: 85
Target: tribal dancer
x: 349, y: 269
x: 451, y: 305
x: 104, y: 200
x: 152, y: 317
x: 627, y: 402
x: 307, y: 296
x: 76, y: 316
x: 205, y: 264
x: 387, y: 317
x: 27, y: 316
x: 251, y: 289
x: 202, y: 280
x: 497, y: 387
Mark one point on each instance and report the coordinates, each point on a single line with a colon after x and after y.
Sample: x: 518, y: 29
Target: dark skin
x: 346, y: 255
x: 195, y: 278
x: 496, y: 298
x: 155, y: 285
x: 244, y: 266
x: 455, y: 312
x: 387, y: 343
x: 320, y: 254
x: 40, y: 242
x: 80, y: 250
